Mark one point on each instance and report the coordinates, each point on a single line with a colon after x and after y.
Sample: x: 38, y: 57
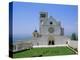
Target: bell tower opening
x: 43, y: 16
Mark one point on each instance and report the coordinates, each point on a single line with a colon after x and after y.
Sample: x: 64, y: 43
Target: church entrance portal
x: 51, y: 40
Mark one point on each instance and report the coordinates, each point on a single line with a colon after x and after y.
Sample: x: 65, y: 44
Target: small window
x: 51, y: 23
x: 34, y: 35
x: 66, y: 42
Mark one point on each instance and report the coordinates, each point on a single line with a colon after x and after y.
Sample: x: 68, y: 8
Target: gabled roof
x: 53, y: 20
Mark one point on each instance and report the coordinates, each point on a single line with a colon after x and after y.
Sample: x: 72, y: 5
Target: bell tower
x: 43, y: 19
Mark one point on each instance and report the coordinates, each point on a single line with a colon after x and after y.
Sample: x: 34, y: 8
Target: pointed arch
x: 51, y: 40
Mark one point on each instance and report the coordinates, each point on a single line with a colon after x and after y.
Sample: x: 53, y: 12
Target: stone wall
x: 44, y: 40
x: 21, y: 45
x: 73, y: 43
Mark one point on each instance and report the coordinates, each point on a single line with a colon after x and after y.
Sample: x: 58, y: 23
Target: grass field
x: 38, y: 52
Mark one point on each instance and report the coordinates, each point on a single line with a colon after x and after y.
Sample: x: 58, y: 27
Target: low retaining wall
x: 42, y: 46
x: 21, y: 46
x: 73, y: 43
x: 27, y: 45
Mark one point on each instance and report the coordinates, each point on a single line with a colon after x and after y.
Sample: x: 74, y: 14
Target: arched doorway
x: 51, y: 40
x: 49, y: 43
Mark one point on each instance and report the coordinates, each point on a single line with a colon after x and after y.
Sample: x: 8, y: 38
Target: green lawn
x: 36, y: 52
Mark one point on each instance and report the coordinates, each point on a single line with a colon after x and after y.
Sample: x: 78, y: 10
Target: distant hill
x: 21, y: 38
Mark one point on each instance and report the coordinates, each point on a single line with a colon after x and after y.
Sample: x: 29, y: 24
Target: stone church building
x: 50, y: 32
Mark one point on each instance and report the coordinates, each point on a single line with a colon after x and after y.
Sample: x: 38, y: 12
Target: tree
x: 74, y: 36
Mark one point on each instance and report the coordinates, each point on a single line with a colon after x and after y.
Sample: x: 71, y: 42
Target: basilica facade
x: 50, y: 31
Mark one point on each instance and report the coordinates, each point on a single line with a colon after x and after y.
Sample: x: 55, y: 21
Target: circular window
x: 51, y: 30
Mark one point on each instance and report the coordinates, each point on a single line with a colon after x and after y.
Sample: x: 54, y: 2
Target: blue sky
x: 26, y: 17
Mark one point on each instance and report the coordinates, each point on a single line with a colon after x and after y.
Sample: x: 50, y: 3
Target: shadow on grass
x: 37, y: 55
x: 40, y: 54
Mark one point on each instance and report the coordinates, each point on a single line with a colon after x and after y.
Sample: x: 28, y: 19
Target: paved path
x: 49, y: 46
